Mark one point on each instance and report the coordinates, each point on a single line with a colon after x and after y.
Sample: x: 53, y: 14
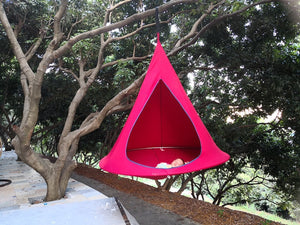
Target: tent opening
x: 162, y: 126
x: 163, y: 131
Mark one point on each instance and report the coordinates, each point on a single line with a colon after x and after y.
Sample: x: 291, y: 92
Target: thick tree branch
x: 57, y: 19
x: 136, y: 17
x: 32, y: 50
x: 113, y: 7
x: 15, y: 45
x: 135, y: 58
x: 193, y: 31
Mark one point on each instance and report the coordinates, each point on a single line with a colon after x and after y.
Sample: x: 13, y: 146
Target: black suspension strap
x: 157, y: 20
x: 4, y: 182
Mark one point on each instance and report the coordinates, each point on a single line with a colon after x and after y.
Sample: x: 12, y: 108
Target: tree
x: 75, y: 35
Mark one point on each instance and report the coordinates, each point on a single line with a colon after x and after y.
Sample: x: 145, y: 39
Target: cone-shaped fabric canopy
x: 162, y: 126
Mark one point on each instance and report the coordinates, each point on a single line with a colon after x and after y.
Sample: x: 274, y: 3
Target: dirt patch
x: 199, y: 211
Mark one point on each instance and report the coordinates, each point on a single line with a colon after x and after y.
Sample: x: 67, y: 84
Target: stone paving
x: 82, y: 205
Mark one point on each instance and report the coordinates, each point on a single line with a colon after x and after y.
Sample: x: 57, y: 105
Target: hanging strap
x: 157, y: 22
x: 4, y: 182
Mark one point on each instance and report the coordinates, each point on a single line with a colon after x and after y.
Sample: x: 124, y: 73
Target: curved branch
x: 214, y: 23
x: 70, y: 72
x: 196, y: 24
x: 94, y: 120
x: 136, y: 17
x: 32, y: 50
x: 118, y: 5
x: 136, y: 58
x: 58, y: 16
x: 15, y: 45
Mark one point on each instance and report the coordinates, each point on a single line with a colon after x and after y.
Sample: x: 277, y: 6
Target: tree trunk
x: 53, y: 187
x: 56, y: 174
x: 169, y: 182
x: 187, y: 180
x: 57, y: 181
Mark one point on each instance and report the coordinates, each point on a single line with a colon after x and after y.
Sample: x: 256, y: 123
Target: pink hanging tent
x: 162, y: 126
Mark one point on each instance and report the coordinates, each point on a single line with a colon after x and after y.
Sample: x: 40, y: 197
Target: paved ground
x: 87, y: 201
x: 82, y: 205
x: 145, y: 213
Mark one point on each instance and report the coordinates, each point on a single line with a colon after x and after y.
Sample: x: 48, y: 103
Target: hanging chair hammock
x: 161, y: 127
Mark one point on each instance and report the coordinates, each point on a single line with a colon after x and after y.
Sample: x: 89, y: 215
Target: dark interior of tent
x: 163, y: 131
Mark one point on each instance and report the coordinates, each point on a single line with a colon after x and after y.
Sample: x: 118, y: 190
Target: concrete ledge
x: 21, y: 202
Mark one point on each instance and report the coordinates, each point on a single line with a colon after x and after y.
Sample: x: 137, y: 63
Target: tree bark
x: 57, y: 180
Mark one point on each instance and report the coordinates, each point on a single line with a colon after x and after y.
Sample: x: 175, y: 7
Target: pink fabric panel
x: 163, y: 122
x: 147, y: 129
x: 162, y: 116
x: 177, y: 127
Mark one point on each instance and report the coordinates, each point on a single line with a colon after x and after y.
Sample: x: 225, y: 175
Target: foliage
x: 250, y: 71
